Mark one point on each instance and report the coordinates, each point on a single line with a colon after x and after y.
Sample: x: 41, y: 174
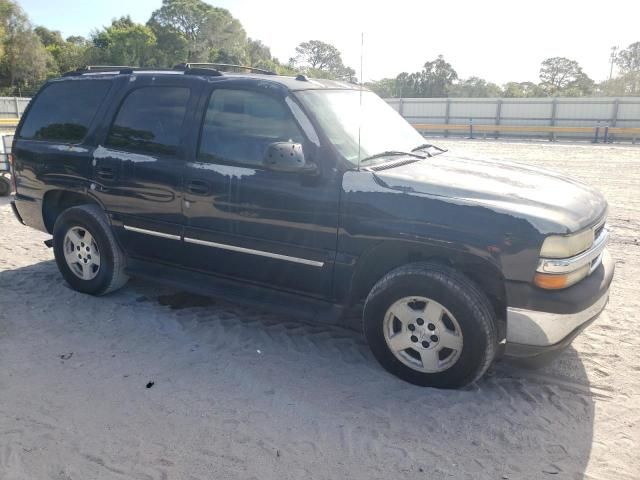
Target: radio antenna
x: 361, y: 77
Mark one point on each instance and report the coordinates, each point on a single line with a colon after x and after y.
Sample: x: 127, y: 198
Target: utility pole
x: 612, y: 60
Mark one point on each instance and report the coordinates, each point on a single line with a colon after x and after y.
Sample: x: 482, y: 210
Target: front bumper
x: 551, y: 320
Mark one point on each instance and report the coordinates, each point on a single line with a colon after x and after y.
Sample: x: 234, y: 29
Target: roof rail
x: 217, y: 66
x: 101, y: 68
x: 188, y: 69
x: 107, y: 68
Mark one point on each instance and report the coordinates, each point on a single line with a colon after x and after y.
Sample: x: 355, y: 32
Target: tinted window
x: 63, y: 110
x: 239, y: 125
x: 150, y: 120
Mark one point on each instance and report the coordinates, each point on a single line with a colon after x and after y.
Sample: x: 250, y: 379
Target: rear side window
x: 150, y: 120
x: 63, y: 110
x: 239, y: 126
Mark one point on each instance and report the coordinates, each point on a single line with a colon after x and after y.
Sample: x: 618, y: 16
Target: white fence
x: 557, y: 112
x: 13, y: 107
x: 584, y: 117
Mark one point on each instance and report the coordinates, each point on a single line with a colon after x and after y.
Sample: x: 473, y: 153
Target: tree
x: 474, y: 87
x: 625, y: 84
x: 24, y: 62
x: 629, y: 59
x: 199, y: 32
x: 49, y: 37
x: 223, y: 37
x: 258, y: 54
x: 67, y: 54
x: 522, y: 89
x: 322, y: 60
x: 123, y: 43
x: 171, y: 46
x: 437, y: 77
x: 385, y: 88
x: 562, y: 76
x: 185, y: 17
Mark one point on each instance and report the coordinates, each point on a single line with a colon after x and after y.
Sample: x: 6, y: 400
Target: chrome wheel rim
x: 81, y: 253
x: 423, y: 334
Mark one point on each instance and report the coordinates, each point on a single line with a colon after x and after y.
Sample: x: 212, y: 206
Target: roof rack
x: 116, y: 69
x: 217, y: 66
x: 100, y: 69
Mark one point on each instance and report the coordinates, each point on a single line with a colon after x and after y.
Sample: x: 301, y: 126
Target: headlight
x: 558, y: 246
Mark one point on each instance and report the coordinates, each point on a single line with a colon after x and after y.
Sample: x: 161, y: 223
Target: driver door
x: 273, y: 228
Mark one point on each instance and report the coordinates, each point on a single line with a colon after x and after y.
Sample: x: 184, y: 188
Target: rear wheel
x: 430, y: 325
x: 87, y: 254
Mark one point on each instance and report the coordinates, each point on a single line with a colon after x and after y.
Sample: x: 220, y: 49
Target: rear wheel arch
x: 387, y: 256
x: 57, y: 201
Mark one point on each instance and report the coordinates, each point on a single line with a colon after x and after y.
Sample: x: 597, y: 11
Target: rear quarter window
x: 63, y: 111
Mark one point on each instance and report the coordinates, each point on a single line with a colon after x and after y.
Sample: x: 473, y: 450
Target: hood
x: 555, y: 203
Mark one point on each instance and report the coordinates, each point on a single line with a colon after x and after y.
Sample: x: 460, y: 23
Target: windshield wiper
x: 428, y: 145
x: 392, y: 153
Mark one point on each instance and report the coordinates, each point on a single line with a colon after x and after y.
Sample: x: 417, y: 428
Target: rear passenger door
x: 274, y: 228
x: 138, y: 168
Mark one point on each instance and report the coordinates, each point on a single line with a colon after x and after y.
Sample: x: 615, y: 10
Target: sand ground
x: 240, y: 393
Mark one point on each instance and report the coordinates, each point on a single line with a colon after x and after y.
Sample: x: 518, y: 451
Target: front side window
x: 150, y: 120
x: 63, y: 110
x: 239, y: 125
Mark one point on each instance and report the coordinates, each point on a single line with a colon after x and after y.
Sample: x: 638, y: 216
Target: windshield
x: 381, y: 128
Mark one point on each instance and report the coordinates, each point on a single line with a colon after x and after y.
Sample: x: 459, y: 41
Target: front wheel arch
x: 389, y: 255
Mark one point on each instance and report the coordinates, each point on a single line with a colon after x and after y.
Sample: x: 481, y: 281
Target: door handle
x: 107, y: 173
x: 198, y: 187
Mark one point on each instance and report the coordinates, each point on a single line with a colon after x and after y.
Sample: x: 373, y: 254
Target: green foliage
x: 475, y: 87
x: 321, y: 60
x: 186, y: 19
x: 629, y: 59
x: 562, y: 76
x: 200, y: 32
x: 522, y: 90
x: 24, y: 62
x: 627, y: 84
x: 385, y: 88
x: 122, y: 43
x: 195, y: 31
x: 436, y: 79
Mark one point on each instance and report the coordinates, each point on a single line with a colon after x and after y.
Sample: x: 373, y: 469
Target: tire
x: 5, y: 186
x: 69, y: 233
x: 464, y: 321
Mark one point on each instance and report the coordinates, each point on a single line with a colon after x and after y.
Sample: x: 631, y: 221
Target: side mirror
x: 287, y: 157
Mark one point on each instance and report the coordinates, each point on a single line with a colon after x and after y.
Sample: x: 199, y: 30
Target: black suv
x: 316, y: 197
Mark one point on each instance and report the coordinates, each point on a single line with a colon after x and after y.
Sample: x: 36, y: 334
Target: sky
x: 497, y: 40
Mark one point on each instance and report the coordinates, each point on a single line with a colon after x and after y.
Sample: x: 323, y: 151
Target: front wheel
x: 86, y: 251
x: 431, y: 326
